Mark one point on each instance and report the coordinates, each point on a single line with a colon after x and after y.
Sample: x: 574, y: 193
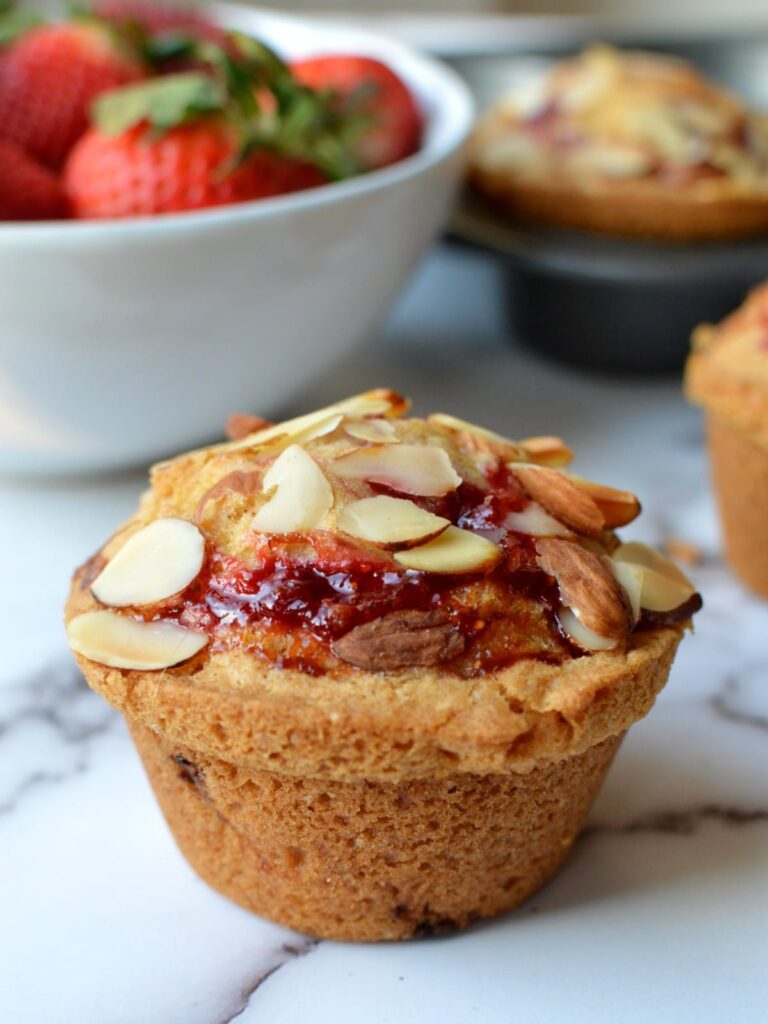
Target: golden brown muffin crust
x: 727, y: 371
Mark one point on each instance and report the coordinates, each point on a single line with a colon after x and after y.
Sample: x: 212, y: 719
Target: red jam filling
x: 290, y: 607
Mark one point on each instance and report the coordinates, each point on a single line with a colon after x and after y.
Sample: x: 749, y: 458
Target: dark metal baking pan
x: 615, y: 304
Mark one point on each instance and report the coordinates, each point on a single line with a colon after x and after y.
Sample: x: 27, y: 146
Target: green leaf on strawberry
x: 15, y: 23
x: 161, y: 103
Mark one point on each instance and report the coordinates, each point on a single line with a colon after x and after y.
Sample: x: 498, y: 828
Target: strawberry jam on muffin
x: 377, y: 667
x: 727, y: 374
x: 627, y: 143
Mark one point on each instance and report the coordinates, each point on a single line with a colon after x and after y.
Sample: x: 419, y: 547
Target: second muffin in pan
x: 627, y: 143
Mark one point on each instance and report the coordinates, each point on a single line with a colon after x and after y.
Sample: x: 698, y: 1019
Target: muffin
x: 727, y: 374
x: 627, y: 143
x: 377, y: 667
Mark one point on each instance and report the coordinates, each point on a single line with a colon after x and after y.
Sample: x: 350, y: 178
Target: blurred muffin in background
x: 727, y: 373
x: 627, y: 143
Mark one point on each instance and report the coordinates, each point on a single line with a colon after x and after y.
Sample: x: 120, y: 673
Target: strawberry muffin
x: 628, y: 143
x: 727, y: 374
x: 377, y: 667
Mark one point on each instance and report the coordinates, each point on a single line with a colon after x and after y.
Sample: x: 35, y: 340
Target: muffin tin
x: 613, y: 304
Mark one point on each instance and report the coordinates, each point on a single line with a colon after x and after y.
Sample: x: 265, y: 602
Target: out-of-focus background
x: 713, y: 11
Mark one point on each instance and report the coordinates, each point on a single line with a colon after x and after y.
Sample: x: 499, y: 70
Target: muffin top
x: 618, y: 117
x: 727, y: 371
x: 358, y: 564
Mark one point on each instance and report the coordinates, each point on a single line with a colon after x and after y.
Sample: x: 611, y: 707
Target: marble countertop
x: 660, y: 915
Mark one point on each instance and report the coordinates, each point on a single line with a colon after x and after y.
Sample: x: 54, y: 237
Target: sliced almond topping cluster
x: 561, y: 497
x: 605, y: 588
x: 372, y: 404
x: 618, y: 508
x: 587, y: 587
x: 580, y: 504
x: 604, y: 598
x: 655, y: 586
x: 155, y: 564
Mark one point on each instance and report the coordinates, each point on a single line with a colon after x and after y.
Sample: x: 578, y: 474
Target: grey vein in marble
x: 725, y: 703
x: 46, y: 724
x: 682, y: 822
x: 288, y: 952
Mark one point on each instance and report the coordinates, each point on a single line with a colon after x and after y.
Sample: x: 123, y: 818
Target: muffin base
x: 740, y: 470
x: 368, y: 861
x: 630, y: 209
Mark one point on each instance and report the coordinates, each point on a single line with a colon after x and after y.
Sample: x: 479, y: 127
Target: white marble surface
x: 660, y: 915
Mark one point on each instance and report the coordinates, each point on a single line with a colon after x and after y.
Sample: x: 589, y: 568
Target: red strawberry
x: 48, y: 78
x: 158, y: 19
x: 186, y: 168
x: 375, y: 90
x: 28, y: 191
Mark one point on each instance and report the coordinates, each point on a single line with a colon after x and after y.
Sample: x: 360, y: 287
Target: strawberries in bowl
x: 146, y: 110
x: 368, y: 87
x: 133, y: 329
x: 172, y: 144
x: 28, y: 190
x: 48, y: 77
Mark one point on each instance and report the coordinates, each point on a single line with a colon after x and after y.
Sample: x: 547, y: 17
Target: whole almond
x: 587, y: 586
x: 561, y: 497
x: 400, y: 640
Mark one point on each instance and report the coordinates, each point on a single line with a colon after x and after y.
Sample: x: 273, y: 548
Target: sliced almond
x: 379, y: 402
x: 300, y: 431
x: 377, y: 431
x: 472, y: 430
x: 119, y: 642
x: 154, y: 564
x: 587, y: 586
x: 561, y: 497
x: 535, y: 522
x: 581, y: 635
x: 630, y: 578
x: 463, y: 427
x: 302, y: 495
x: 420, y: 469
x: 618, y: 507
x: 662, y: 589
x: 681, y: 613
x: 662, y: 594
x: 643, y: 554
x: 547, y: 451
x: 390, y: 522
x: 454, y: 551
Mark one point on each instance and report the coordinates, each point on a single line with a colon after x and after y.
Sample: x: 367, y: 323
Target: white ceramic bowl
x: 126, y: 341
